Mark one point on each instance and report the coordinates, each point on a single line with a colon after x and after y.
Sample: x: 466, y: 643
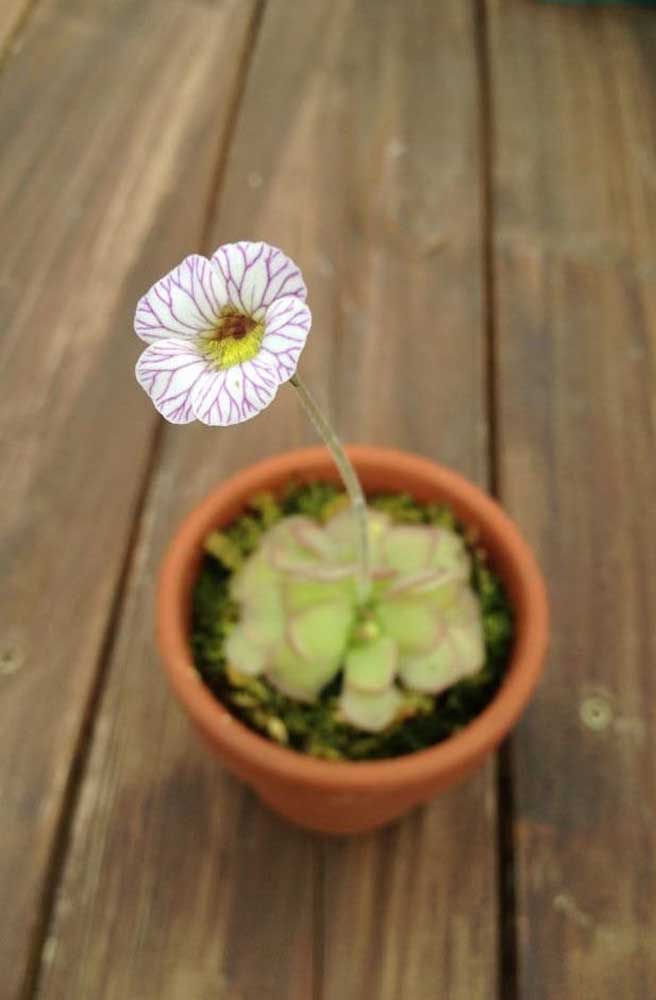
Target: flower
x: 224, y: 333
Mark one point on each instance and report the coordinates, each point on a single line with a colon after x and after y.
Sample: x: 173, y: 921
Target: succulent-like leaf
x: 265, y: 629
x: 303, y: 593
x: 459, y: 653
x: 424, y: 581
x: 371, y: 710
x: 248, y: 657
x: 470, y: 647
x: 254, y: 581
x: 371, y: 666
x: 413, y: 623
x: 313, y: 538
x: 465, y: 611
x: 432, y: 671
x: 408, y: 548
x: 342, y: 528
x: 450, y: 553
x: 443, y: 593
x: 299, y: 677
x: 321, y: 632
x: 289, y: 557
x: 302, y: 549
x: 321, y: 572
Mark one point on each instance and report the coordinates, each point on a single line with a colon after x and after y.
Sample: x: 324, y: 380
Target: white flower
x: 224, y: 333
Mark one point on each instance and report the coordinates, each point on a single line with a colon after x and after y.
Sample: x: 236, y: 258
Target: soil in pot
x: 317, y: 729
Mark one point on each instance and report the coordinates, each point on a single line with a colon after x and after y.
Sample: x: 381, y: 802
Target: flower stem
x: 349, y: 478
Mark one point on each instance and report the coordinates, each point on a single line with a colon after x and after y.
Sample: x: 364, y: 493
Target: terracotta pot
x: 352, y: 797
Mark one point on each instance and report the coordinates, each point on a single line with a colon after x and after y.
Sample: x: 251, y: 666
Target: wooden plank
x: 177, y: 883
x: 411, y: 912
x: 124, y: 107
x: 356, y: 150
x: 573, y: 102
x: 13, y: 15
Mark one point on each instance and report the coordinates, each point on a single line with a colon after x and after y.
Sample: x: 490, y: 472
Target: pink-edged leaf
x: 298, y: 677
x: 343, y: 528
x: 458, y: 652
x: 184, y: 303
x: 422, y: 582
x: 310, y: 536
x: 246, y: 656
x: 372, y: 711
x: 255, y: 275
x: 168, y: 371
x: 434, y: 670
x: 371, y: 666
x: 408, y: 547
x: 320, y: 632
x: 411, y: 621
x: 232, y: 395
x: 465, y: 611
x: 382, y: 573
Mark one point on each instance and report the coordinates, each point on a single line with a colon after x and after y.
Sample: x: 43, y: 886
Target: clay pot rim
x: 242, y: 743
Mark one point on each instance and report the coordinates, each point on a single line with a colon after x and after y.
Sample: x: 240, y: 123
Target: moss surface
x: 314, y: 729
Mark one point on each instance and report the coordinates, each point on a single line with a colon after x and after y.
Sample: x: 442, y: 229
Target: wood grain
x: 575, y: 214
x: 178, y: 883
x: 13, y: 16
x: 196, y: 890
x: 102, y: 115
x: 411, y: 912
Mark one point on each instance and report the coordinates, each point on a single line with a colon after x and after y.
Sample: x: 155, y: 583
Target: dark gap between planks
x: 507, y: 943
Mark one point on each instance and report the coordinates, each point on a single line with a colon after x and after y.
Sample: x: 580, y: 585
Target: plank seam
x: 507, y: 986
x: 318, y: 917
x: 508, y: 952
x: 486, y: 144
x: 75, y: 779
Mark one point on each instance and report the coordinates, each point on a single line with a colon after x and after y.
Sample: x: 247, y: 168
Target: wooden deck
x: 470, y: 188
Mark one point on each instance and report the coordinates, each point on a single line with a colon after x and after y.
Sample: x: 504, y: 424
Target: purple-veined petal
x: 168, y: 371
x: 287, y: 323
x: 255, y: 275
x: 184, y: 303
x: 232, y: 395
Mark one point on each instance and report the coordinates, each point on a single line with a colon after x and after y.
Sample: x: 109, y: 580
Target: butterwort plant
x: 380, y: 612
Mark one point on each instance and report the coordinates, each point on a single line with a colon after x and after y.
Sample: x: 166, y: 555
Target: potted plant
x: 352, y: 630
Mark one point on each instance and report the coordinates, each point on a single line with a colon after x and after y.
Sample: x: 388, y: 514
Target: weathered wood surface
x: 411, y: 912
x: 371, y: 140
x: 207, y: 894
x: 106, y: 114
x: 575, y: 217
x: 13, y: 15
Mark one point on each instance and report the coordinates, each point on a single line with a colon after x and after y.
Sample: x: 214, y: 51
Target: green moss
x: 315, y: 729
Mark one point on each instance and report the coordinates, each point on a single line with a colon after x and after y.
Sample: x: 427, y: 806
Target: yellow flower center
x: 236, y: 338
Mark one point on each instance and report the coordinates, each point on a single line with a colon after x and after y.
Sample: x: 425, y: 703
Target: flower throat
x: 235, y: 339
